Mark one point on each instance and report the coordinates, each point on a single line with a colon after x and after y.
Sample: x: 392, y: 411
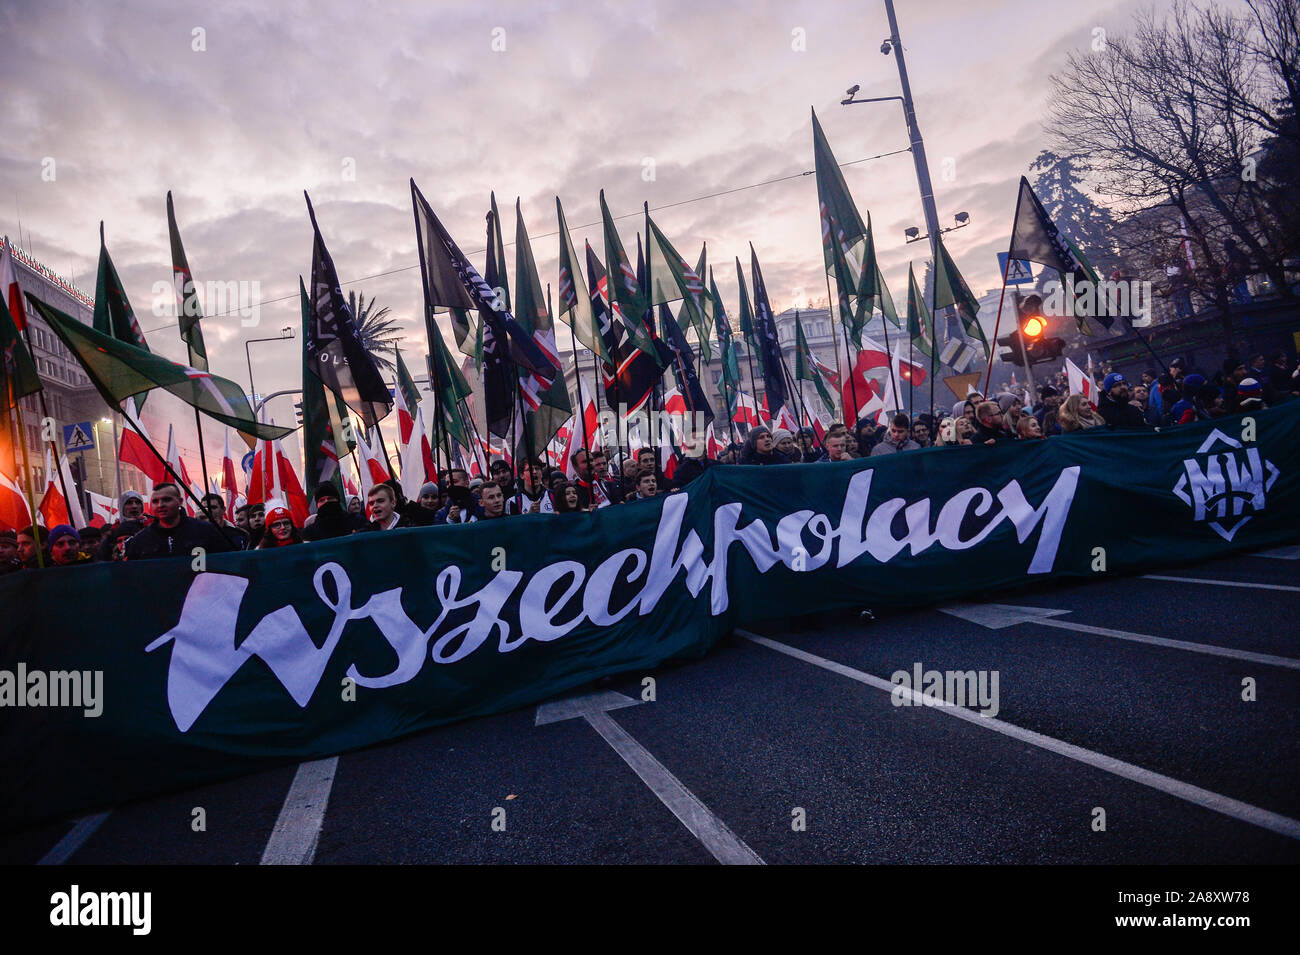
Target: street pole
x: 914, y: 134
x: 1029, y: 375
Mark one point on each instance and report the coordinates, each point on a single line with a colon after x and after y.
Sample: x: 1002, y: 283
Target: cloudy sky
x: 238, y: 107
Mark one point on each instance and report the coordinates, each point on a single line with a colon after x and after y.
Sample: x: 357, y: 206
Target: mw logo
x: 1226, y: 487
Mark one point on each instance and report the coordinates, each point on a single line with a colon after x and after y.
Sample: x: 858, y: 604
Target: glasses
x: 283, y: 525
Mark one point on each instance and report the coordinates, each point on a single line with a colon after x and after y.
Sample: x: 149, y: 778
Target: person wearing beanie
x: 783, y: 441
x: 280, y: 529
x: 1250, y: 395
x: 331, y: 519
x: 65, y: 547
x: 759, y: 449
x: 9, y: 562
x: 1115, y: 405
x: 1190, y: 406
x: 130, y: 507
x: 423, y: 511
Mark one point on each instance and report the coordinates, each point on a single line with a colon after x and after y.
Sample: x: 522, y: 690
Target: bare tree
x: 1174, y: 114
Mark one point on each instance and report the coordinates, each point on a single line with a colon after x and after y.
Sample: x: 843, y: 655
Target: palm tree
x: 379, y: 333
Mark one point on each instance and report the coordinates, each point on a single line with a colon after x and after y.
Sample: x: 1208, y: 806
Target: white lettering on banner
x: 205, y: 656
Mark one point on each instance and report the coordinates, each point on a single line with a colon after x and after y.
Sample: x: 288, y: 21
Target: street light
x: 914, y: 234
x: 286, y: 332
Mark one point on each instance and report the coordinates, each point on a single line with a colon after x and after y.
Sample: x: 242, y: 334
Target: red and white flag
x: 14, y: 512
x: 405, y: 417
x: 747, y: 411
x: 54, y: 508
x: 412, y: 458
x: 1080, y: 383
x: 9, y: 289
x: 373, y: 470
x: 228, y: 482
x: 133, y: 449
x: 786, y: 419
x: 103, y: 510
x: 289, y: 488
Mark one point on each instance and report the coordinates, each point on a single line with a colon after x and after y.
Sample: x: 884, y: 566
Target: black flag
x: 451, y: 281
x: 632, y: 376
x: 768, y: 344
x: 683, y: 363
x: 333, y: 346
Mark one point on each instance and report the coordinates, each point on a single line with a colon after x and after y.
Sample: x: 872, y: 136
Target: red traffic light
x: 1032, y: 326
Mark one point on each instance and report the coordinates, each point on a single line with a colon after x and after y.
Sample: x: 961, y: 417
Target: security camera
x: 852, y: 89
x: 962, y: 217
x: 885, y: 48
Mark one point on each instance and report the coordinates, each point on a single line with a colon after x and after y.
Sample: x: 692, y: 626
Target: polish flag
x: 414, y: 473
x: 54, y: 507
x: 289, y: 488
x: 133, y: 449
x: 426, y: 451
x: 14, y: 512
x: 1081, y: 383
x: 747, y: 411
x: 9, y: 289
x: 714, y: 446
x: 229, y: 485
x: 103, y: 510
x: 372, y: 468
x: 349, y: 485
x: 179, y: 474
x: 405, y: 419
x: 786, y: 419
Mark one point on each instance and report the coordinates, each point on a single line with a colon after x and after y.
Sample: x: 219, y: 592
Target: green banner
x: 265, y: 657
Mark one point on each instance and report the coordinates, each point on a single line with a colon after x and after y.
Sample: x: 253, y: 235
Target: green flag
x: 17, y: 370
x: 747, y: 321
x: 113, y: 313
x: 951, y: 290
x: 410, y: 393
x: 833, y: 198
x: 672, y: 279
x: 188, y: 309
x: 805, y: 369
x: 451, y: 387
x: 726, y: 347
x: 574, y: 296
x: 919, y: 325
x: 623, y: 288
x: 469, y: 334
x: 120, y: 370
x: 547, y: 403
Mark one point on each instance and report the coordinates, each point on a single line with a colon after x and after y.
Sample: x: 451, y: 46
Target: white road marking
x: 723, y: 844
x: 1281, y: 553
x: 998, y: 616
x: 1234, y: 808
x: 74, y: 840
x: 297, y: 830
x: 1222, y: 583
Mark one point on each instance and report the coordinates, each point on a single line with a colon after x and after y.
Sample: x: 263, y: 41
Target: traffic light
x: 1032, y: 330
x: 1012, y: 342
x: 297, y: 409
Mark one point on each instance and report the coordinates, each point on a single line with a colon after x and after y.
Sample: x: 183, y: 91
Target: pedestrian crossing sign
x: 78, y: 437
x: 1019, y: 273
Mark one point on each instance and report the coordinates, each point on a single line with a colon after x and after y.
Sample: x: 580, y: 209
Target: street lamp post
x: 286, y: 332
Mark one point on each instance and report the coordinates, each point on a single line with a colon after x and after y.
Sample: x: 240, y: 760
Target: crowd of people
x: 163, y: 528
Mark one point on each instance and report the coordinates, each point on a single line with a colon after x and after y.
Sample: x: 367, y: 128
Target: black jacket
x: 1121, y: 415
x: 332, y: 521
x: 179, y: 541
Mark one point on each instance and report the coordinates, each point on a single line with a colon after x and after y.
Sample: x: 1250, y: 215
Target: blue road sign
x: 1020, y: 273
x: 78, y: 437
x: 246, y: 463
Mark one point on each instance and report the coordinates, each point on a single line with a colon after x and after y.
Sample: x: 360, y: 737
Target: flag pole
x: 54, y: 445
x: 27, y: 472
x: 934, y: 332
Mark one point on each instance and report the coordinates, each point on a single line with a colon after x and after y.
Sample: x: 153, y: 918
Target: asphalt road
x: 1126, y: 743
